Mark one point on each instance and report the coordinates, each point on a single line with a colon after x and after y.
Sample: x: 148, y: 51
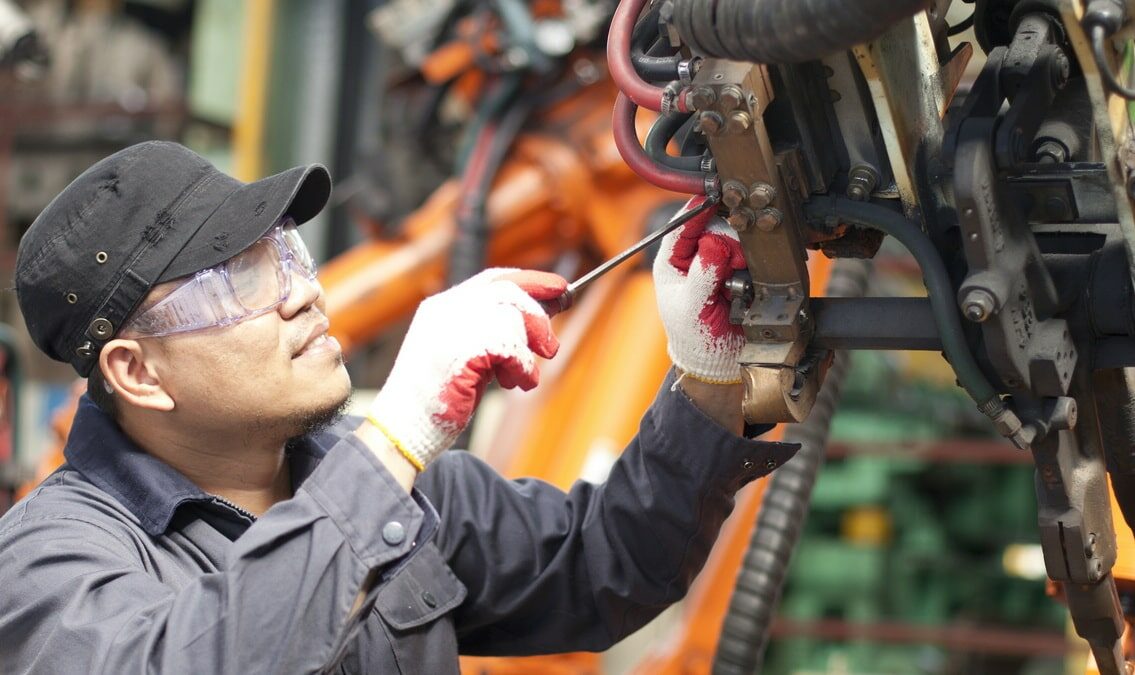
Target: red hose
x: 626, y: 140
x: 619, y: 57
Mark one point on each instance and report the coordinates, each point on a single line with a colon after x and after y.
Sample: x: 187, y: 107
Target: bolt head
x: 741, y: 218
x: 761, y: 195
x: 739, y: 121
x: 710, y: 123
x: 731, y: 97
x: 732, y: 194
x: 769, y: 219
x: 701, y: 98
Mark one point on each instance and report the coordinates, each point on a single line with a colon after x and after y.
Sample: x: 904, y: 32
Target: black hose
x: 745, y: 631
x: 934, y: 275
x: 469, y: 252
x: 785, y: 31
x: 664, y: 129
x: 1099, y: 49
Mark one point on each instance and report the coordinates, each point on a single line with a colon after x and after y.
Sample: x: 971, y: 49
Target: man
x: 212, y: 517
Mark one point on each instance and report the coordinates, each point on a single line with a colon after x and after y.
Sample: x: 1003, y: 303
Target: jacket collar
x: 148, y: 487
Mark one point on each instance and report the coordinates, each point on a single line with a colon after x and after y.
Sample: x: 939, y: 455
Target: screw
x: 739, y: 121
x: 862, y: 180
x: 1051, y: 152
x: 1090, y: 549
x: 769, y: 219
x: 709, y: 123
x: 741, y: 218
x: 978, y: 305
x: 761, y: 195
x: 731, y: 97
x: 701, y: 98
x: 732, y: 194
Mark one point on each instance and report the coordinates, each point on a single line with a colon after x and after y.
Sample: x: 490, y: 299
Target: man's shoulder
x: 66, y: 502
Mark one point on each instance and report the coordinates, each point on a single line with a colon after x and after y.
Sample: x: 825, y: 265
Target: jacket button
x: 393, y: 533
x: 429, y: 599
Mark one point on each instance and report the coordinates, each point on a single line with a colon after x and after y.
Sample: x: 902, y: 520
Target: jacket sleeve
x: 79, y: 597
x: 549, y: 571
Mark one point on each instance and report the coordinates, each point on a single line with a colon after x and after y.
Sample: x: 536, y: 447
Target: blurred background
x: 920, y: 553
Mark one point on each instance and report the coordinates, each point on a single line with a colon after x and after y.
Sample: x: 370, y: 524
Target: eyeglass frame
x: 199, y: 284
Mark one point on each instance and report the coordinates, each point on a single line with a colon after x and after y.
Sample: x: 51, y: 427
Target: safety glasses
x: 253, y: 282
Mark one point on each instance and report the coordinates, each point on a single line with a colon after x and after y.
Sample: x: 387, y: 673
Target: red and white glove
x: 690, y: 272
x: 489, y: 326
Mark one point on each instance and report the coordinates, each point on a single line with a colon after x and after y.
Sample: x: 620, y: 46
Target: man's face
x: 275, y: 373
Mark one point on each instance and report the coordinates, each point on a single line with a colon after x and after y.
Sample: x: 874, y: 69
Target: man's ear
x: 132, y: 374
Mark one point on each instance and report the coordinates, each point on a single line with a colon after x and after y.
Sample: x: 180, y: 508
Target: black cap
x: 150, y: 213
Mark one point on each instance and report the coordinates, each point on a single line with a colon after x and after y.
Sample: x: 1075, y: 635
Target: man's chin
x: 322, y: 418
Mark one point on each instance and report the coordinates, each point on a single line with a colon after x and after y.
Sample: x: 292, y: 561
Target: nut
x: 978, y: 305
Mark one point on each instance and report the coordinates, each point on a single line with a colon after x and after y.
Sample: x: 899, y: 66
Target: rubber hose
x: 934, y: 275
x: 626, y: 141
x: 664, y: 129
x: 619, y: 63
x: 785, y: 31
x: 745, y: 631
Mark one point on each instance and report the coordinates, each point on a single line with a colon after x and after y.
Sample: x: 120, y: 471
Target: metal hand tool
x: 567, y: 298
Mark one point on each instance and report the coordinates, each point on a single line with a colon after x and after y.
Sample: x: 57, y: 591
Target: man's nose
x: 305, y: 292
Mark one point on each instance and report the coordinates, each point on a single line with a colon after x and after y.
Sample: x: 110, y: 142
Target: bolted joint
x: 739, y: 121
x: 761, y: 195
x: 731, y: 97
x: 769, y: 219
x: 861, y: 182
x: 978, y: 305
x: 700, y: 98
x: 741, y: 219
x: 709, y: 123
x: 732, y: 194
x: 1051, y: 152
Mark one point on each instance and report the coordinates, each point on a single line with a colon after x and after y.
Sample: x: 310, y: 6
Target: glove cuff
x: 709, y: 368
x: 410, y: 431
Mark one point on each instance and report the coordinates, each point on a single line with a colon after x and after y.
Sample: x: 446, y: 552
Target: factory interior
x: 911, y: 534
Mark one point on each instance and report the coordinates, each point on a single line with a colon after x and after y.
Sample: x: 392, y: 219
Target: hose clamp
x: 671, y: 103
x: 688, y: 68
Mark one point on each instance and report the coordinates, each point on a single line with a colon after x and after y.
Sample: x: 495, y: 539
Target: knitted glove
x: 690, y: 271
x: 489, y: 326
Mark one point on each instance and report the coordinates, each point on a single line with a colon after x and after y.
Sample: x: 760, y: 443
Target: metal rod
x: 565, y: 301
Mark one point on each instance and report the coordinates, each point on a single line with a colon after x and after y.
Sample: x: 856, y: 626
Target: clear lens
x: 298, y: 249
x: 255, y: 276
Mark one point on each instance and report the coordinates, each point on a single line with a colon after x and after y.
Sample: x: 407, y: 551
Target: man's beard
x: 318, y: 420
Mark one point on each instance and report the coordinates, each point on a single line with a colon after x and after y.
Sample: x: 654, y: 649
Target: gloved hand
x: 489, y: 326
x: 690, y: 272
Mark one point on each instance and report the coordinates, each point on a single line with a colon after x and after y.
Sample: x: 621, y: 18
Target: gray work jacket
x: 119, y: 564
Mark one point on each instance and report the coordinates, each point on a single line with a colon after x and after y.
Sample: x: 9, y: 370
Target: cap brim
x: 248, y: 213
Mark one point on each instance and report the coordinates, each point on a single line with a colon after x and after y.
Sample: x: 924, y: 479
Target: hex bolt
x: 978, y: 305
x: 769, y: 219
x: 710, y: 123
x: 741, y: 218
x: 761, y: 195
x: 861, y: 182
x: 739, y: 122
x: 731, y: 97
x: 732, y: 194
x: 1051, y: 152
x: 701, y: 98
